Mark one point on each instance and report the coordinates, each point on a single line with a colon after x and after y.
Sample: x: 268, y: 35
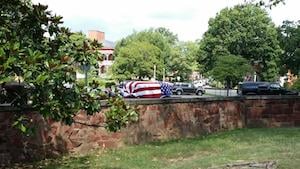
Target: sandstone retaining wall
x: 160, y: 119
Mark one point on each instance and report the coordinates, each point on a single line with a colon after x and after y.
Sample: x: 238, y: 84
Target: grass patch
x: 245, y: 145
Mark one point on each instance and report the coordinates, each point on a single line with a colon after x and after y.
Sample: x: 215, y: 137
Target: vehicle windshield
x: 275, y: 85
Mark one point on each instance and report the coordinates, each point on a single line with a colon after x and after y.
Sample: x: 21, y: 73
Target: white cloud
x: 118, y: 18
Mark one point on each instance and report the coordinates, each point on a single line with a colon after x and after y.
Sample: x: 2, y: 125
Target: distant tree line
x: 140, y: 52
x: 239, y: 42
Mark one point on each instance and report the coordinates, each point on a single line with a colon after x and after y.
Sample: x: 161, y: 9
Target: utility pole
x: 164, y: 74
x: 154, y: 72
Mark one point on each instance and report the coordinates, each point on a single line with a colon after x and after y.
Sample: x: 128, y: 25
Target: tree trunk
x: 227, y: 86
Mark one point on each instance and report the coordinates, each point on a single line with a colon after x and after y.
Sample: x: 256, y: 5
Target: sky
x: 119, y: 18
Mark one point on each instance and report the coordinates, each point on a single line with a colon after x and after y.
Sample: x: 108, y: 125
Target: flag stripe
x: 145, y: 84
x: 152, y: 96
x: 147, y: 89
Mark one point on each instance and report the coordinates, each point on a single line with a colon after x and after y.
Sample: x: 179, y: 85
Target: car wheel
x: 179, y: 92
x: 199, y: 93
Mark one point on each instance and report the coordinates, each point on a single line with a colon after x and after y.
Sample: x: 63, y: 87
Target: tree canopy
x: 137, y: 54
x: 136, y: 60
x: 289, y: 37
x: 245, y: 31
x: 183, y: 61
x: 36, y: 50
x: 231, y: 69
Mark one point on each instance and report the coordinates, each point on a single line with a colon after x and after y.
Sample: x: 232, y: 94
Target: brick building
x: 107, y: 51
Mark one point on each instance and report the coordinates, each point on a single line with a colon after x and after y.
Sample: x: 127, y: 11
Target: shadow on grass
x: 245, y: 134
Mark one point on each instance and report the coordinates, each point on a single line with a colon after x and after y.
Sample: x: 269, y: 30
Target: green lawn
x: 244, y: 145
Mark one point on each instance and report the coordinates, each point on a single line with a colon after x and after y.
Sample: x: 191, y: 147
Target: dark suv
x: 263, y: 88
x: 180, y: 88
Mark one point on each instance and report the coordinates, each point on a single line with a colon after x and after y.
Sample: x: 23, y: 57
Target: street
x: 210, y: 93
x: 221, y: 92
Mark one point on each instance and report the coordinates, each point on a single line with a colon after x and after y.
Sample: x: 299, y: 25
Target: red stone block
x: 92, y: 138
x: 105, y: 137
x: 266, y: 116
x: 208, y: 119
x: 117, y: 135
x: 255, y: 112
x: 152, y: 107
x: 281, y: 118
x: 281, y: 109
x: 96, y: 120
x: 232, y: 107
x: 296, y: 116
x: 213, y: 109
x: 108, y: 144
x: 296, y: 107
x: 258, y: 103
x: 297, y: 123
x: 71, y: 144
x: 80, y: 116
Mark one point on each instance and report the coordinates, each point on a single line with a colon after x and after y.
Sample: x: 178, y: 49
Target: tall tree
x: 246, y: 31
x: 168, y: 35
x: 136, y: 60
x: 36, y: 49
x: 160, y: 38
x: 182, y: 60
x: 289, y: 37
x: 231, y: 69
x: 179, y: 64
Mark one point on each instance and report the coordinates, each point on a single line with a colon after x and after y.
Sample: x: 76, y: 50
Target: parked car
x: 199, y: 83
x: 263, y: 88
x: 276, y: 89
x: 180, y: 88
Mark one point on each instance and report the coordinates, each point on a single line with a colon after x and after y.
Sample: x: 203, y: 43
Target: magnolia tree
x: 36, y: 49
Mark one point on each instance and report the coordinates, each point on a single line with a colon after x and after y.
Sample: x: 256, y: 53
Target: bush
x: 296, y: 85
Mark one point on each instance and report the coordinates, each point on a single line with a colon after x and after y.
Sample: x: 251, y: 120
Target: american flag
x: 147, y: 89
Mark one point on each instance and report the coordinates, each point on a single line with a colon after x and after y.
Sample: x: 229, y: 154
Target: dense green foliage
x: 119, y: 114
x: 231, y: 69
x: 137, y: 54
x: 289, y: 38
x: 36, y: 50
x: 296, y: 85
x: 153, y: 45
x: 136, y: 60
x: 182, y: 61
x: 246, y: 31
x: 212, y: 151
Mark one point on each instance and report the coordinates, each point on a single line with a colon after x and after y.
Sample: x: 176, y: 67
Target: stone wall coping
x: 141, y: 101
x: 205, y: 99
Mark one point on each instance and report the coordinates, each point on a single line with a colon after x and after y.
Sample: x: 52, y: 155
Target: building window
x: 103, y: 57
x: 110, y: 57
x: 102, y: 69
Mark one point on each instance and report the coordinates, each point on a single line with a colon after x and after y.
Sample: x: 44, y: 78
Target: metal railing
x: 221, y: 92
